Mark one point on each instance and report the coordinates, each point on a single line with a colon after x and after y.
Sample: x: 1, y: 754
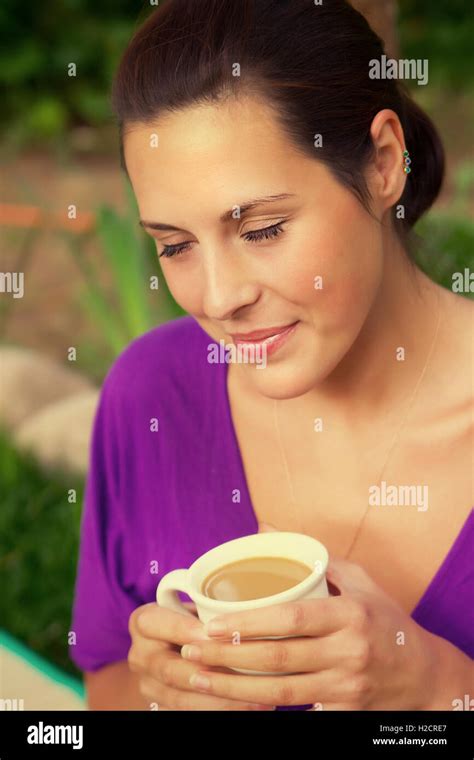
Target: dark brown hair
x: 309, y: 62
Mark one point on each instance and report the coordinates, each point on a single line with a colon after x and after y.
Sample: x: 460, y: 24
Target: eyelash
x: 252, y: 237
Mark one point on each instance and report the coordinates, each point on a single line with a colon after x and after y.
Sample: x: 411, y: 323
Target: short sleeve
x: 101, y: 606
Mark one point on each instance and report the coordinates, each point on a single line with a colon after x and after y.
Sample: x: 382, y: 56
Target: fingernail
x: 199, y: 681
x: 190, y: 652
x: 215, y: 628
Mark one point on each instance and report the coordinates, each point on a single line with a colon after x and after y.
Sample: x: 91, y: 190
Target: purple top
x: 162, y: 497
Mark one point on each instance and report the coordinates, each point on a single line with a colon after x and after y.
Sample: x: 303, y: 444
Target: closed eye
x: 252, y: 237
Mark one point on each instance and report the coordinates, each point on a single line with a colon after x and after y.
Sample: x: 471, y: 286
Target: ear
x: 387, y: 180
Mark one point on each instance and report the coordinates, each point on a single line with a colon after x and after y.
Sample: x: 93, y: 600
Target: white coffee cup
x: 295, y: 546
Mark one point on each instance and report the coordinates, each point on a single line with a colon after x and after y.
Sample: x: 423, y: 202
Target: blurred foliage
x: 126, y: 306
x: 441, y: 31
x: 448, y: 248
x: 38, y: 42
x: 39, y: 541
x: 446, y: 236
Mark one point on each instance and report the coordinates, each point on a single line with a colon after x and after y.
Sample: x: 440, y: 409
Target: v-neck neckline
x: 440, y: 572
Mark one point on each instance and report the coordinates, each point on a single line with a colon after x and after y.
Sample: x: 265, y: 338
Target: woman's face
x: 318, y: 267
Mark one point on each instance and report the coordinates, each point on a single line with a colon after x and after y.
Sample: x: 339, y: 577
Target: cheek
x: 339, y: 271
x: 344, y: 304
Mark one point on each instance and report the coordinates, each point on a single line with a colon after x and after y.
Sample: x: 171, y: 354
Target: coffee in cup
x: 254, y: 578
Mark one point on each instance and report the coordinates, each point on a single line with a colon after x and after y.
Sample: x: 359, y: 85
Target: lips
x: 260, y: 335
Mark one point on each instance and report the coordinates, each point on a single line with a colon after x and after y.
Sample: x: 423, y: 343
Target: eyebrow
x: 227, y: 215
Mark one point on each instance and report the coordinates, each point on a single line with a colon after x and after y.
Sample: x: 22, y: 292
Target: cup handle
x: 166, y: 596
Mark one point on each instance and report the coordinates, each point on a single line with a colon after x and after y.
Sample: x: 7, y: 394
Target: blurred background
x: 87, y: 280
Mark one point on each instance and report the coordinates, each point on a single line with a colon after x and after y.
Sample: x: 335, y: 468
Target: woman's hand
x: 358, y: 651
x: 157, y: 634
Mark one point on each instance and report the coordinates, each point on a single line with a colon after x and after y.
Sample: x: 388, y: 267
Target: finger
x: 349, y: 577
x: 296, y: 655
x: 175, y: 699
x: 142, y: 650
x: 136, y: 613
x: 172, y: 670
x: 307, y: 617
x: 155, y: 622
x: 300, y: 689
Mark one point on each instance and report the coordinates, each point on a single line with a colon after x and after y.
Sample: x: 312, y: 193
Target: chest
x: 396, y: 509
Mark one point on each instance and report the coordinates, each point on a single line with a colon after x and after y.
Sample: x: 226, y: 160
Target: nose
x: 228, y: 285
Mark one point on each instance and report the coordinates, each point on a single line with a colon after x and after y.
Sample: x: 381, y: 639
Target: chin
x: 285, y: 381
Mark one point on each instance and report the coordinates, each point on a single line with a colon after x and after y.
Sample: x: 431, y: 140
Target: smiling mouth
x: 270, y: 338
x: 258, y: 336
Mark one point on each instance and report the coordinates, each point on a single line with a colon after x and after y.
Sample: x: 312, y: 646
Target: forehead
x: 212, y: 152
x: 230, y: 129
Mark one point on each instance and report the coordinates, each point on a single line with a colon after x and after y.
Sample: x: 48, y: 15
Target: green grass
x: 39, y: 539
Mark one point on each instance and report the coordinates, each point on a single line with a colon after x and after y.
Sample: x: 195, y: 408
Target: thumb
x: 264, y: 527
x: 348, y: 577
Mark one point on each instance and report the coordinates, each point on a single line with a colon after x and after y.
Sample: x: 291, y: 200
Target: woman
x: 280, y: 183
